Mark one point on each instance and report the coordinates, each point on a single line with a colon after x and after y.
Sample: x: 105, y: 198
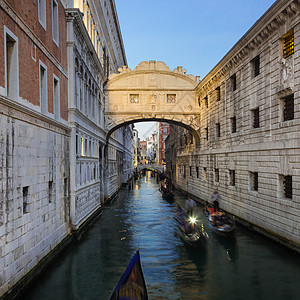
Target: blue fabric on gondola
x: 132, y: 284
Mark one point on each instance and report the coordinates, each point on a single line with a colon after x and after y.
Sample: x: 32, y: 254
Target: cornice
x: 278, y: 14
x: 74, y: 15
x: 8, y: 9
x: 36, y: 118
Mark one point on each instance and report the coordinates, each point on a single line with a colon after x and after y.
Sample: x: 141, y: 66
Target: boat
x: 219, y: 221
x: 132, y: 285
x: 167, y: 194
x: 188, y: 229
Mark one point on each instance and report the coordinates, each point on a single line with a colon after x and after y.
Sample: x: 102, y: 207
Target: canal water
x: 246, y: 266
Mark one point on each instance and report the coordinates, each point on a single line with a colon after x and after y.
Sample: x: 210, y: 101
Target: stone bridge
x: 152, y: 167
x: 152, y: 92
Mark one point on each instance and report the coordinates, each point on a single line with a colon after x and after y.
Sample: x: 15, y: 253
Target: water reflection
x: 246, y: 266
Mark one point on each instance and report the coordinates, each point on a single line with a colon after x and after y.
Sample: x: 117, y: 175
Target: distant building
x: 163, y: 132
x: 135, y: 143
x: 143, y: 152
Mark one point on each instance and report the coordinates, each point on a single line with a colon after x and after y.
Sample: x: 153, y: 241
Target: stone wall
x: 251, y: 161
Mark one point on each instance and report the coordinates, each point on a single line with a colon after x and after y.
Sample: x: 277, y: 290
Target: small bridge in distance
x: 152, y: 167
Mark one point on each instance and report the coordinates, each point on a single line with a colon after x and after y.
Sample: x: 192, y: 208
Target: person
x: 215, y: 198
x: 189, y: 205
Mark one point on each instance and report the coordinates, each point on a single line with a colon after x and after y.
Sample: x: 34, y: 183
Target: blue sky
x: 195, y: 34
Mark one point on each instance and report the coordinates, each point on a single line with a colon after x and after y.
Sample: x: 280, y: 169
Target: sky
x: 195, y: 34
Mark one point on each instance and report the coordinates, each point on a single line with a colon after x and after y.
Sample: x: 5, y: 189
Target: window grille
x: 206, y: 101
x: 134, y: 98
x: 288, y: 187
x: 206, y: 133
x: 233, y: 124
x: 254, y: 177
x: 255, y: 116
x: 256, y: 66
x: 288, y: 109
x: 217, y: 175
x: 232, y: 177
x: 218, y: 129
x: 233, y: 82
x: 218, y: 93
x: 288, y: 45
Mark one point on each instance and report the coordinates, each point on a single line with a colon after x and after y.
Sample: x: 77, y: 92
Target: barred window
x: 184, y: 174
x: 288, y: 187
x: 134, y: 98
x: 233, y: 82
x: 205, y: 174
x: 233, y: 124
x: 190, y: 170
x: 255, y: 118
x: 217, y: 174
x: 232, y: 177
x: 206, y: 133
x: 218, y: 93
x: 206, y: 101
x: 218, y: 129
x: 197, y: 171
x: 288, y: 45
x: 254, y: 181
x: 255, y: 62
x: 288, y: 108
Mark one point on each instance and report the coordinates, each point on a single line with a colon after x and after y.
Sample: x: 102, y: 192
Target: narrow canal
x: 246, y: 266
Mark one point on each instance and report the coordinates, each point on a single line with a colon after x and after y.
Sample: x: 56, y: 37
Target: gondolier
x: 189, y: 205
x: 215, y: 198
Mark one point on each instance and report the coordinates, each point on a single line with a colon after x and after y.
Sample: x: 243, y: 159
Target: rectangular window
x: 233, y: 82
x: 217, y: 179
x: 50, y: 191
x: 255, y: 66
x: 205, y: 174
x: 43, y: 88
x: 288, y: 108
x: 42, y: 12
x: 82, y: 146
x: 134, y: 98
x: 206, y: 101
x: 218, y: 93
x: 233, y: 124
x: 255, y: 117
x: 288, y: 187
x: 184, y: 174
x: 55, y: 22
x: 253, y: 181
x: 11, y: 64
x: 197, y: 172
x: 190, y: 171
x: 206, y: 133
x: 232, y: 177
x: 218, y: 130
x: 56, y: 97
x: 171, y: 98
x: 25, y: 199
x: 288, y: 44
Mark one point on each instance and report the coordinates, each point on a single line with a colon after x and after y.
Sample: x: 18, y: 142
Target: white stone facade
x: 249, y: 146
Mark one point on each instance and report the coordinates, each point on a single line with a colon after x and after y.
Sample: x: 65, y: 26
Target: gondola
x: 131, y: 285
x: 188, y: 229
x: 219, y: 221
x: 167, y: 194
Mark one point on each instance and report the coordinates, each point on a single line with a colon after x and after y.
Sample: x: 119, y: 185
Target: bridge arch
x: 152, y: 92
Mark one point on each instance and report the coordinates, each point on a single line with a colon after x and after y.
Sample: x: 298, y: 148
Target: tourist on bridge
x: 215, y: 198
x: 189, y: 205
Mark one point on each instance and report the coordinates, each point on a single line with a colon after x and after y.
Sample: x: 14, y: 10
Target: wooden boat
x: 219, y: 221
x: 191, y: 233
x: 131, y: 285
x: 167, y: 194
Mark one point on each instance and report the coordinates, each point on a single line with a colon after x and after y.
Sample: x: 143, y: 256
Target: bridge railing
x: 150, y: 167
